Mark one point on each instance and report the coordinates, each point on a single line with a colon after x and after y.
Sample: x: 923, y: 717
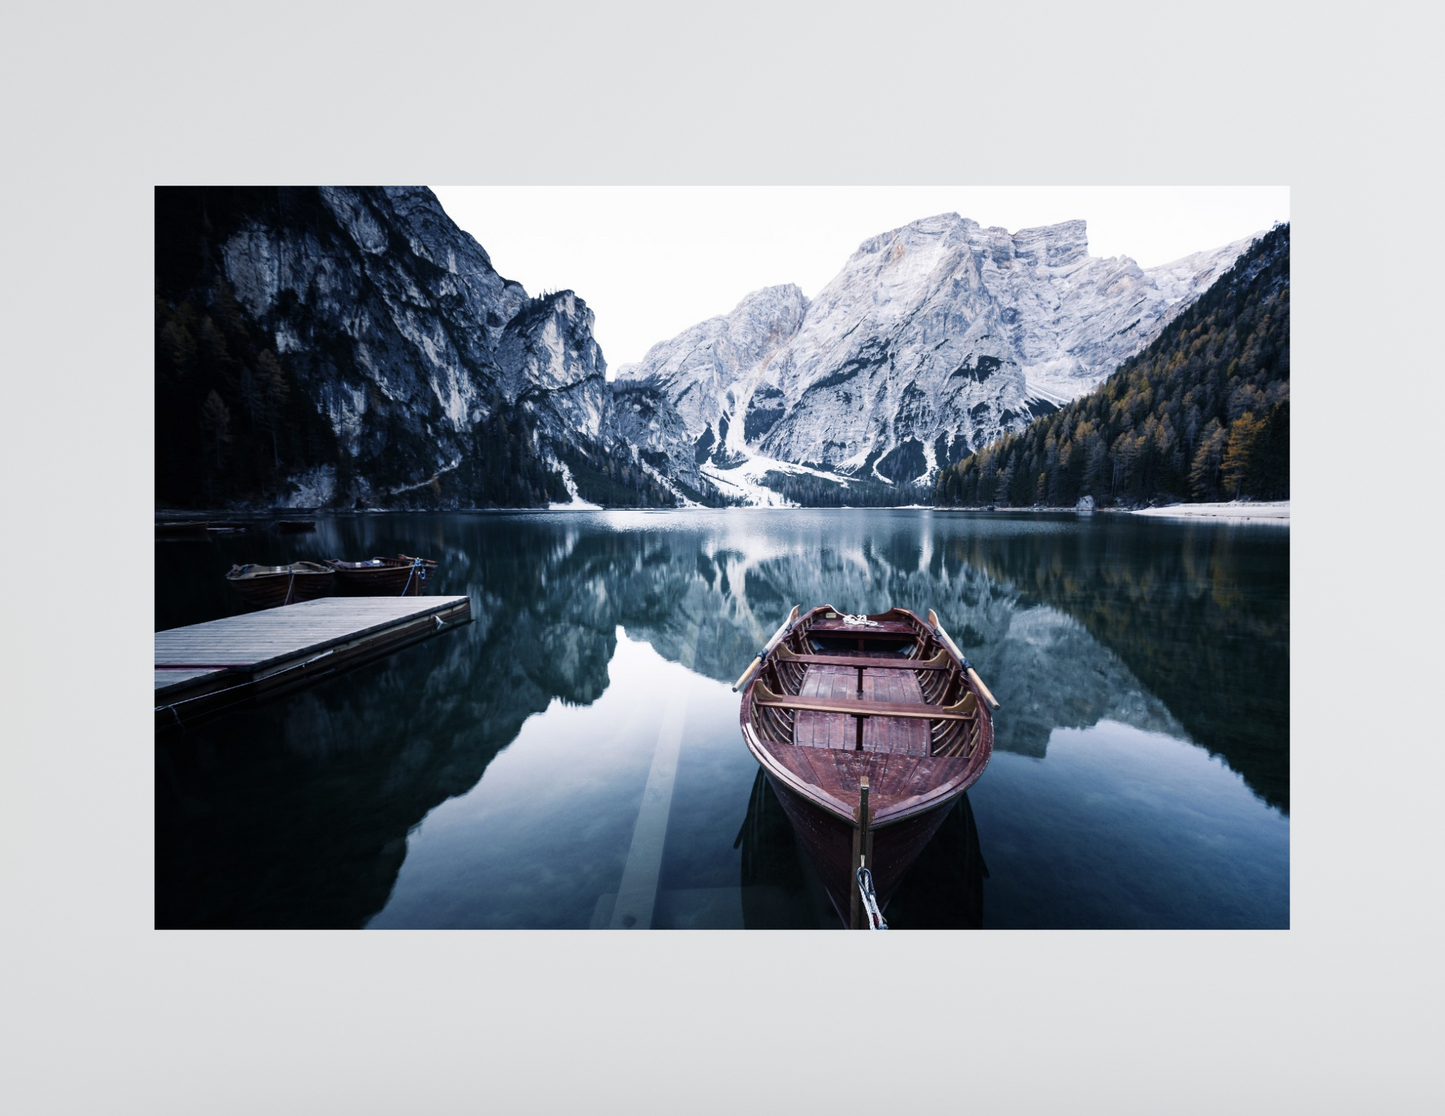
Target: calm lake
x: 517, y: 771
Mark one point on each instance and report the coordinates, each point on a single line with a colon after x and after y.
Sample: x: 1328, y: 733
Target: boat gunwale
x: 379, y: 564
x: 251, y: 571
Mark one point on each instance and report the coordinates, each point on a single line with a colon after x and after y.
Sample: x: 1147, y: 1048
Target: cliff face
x: 352, y: 346
x: 934, y: 339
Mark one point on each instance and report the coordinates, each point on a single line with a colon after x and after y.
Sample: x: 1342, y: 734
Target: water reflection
x: 1125, y: 828
x: 780, y: 890
x: 298, y: 813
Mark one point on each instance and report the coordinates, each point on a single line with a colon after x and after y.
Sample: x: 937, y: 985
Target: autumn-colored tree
x: 1239, y: 453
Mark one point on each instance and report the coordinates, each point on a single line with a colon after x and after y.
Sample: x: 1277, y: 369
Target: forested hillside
x: 818, y: 492
x: 1201, y: 414
x: 230, y: 416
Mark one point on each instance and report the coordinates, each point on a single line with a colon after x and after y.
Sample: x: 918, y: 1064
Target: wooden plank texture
x: 259, y: 638
x: 909, y: 735
x: 857, y: 660
x: 170, y: 676
x: 205, y: 668
x: 855, y: 707
x: 826, y: 730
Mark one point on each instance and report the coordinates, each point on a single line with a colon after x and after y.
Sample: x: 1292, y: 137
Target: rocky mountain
x: 354, y: 347
x: 934, y: 339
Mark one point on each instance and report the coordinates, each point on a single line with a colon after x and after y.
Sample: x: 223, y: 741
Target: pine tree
x: 1204, y: 469
x: 1269, y: 475
x: 1004, y: 481
x: 273, y: 391
x: 216, y: 423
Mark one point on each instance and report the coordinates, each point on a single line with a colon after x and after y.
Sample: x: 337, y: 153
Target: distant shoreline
x: 1273, y: 511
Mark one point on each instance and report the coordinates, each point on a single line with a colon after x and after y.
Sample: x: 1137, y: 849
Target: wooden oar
x: 761, y: 655
x: 972, y: 674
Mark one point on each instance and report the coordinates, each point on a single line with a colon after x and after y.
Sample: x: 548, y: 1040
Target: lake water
x: 579, y: 739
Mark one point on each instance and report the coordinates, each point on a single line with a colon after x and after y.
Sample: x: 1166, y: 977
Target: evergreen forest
x: 861, y: 492
x: 1202, y: 414
x: 231, y: 420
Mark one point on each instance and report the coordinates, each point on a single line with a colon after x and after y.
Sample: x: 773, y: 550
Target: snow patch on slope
x: 745, y: 479
x: 576, y: 503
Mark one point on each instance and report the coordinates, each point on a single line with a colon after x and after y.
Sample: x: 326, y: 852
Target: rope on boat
x: 859, y: 621
x: 870, y: 900
x: 415, y: 567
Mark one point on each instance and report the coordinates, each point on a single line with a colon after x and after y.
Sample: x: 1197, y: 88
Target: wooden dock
x: 205, y: 668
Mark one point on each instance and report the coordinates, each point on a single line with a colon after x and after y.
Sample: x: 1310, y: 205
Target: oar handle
x: 972, y: 674
x: 987, y: 696
x: 752, y: 666
x: 758, y: 658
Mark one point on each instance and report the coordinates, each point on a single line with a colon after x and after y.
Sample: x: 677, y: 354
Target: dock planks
x: 204, y: 668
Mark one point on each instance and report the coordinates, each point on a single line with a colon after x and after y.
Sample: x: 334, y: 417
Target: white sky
x: 652, y: 261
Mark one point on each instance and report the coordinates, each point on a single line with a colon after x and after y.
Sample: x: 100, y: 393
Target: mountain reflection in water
x: 299, y: 813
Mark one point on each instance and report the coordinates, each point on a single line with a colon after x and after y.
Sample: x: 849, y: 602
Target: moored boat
x: 269, y: 586
x: 869, y: 728
x: 402, y: 576
x: 197, y: 529
x: 182, y: 530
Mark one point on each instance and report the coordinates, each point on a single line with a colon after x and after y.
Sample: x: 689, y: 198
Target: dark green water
x: 509, y: 773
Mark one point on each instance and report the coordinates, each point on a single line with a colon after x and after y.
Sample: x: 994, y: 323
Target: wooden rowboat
x: 869, y: 728
x: 402, y: 576
x: 269, y: 586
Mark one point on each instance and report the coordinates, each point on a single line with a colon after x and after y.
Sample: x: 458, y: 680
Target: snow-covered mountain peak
x: 749, y: 329
x: 1052, y: 245
x: 933, y: 339
x: 700, y: 369
x: 925, y: 228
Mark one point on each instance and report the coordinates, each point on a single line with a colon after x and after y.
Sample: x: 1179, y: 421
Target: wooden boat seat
x: 965, y: 710
x: 878, y: 627
x: 866, y: 662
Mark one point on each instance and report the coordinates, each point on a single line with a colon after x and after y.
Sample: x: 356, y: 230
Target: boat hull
x: 391, y: 577
x: 828, y: 842
x: 274, y: 586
